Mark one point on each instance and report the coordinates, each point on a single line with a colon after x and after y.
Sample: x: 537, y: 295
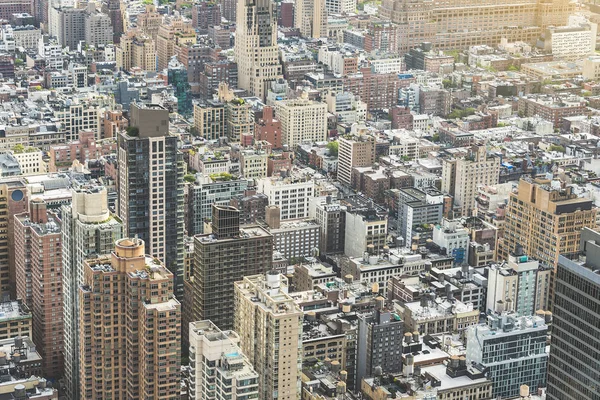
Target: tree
x: 189, y: 178
x: 19, y: 148
x: 557, y: 147
x: 333, y: 147
x: 133, y: 131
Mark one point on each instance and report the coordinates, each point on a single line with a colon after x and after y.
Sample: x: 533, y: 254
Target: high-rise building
x: 205, y: 15
x: 238, y: 119
x: 149, y: 21
x: 573, y: 369
x: 483, y: 22
x: 256, y: 51
x: 130, y: 341
x: 357, y: 151
x: 219, y: 369
x: 177, y: 76
x: 112, y: 8
x: 417, y: 207
x: 269, y: 323
x: 150, y: 186
x: 38, y: 255
x: 223, y: 257
x: 461, y: 178
x: 310, y: 16
x: 513, y: 350
x: 302, y: 120
x: 69, y: 26
x: 88, y: 229
x: 520, y: 286
x: 209, y: 119
x: 291, y: 195
x: 546, y: 220
x: 331, y: 216
x: 98, y: 27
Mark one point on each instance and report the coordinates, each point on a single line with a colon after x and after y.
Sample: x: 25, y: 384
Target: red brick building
x: 268, y: 128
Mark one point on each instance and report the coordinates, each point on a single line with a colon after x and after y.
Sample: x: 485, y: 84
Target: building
x: 16, y: 320
x: 171, y: 36
x: 546, y: 220
x: 136, y: 50
x: 130, y: 294
x: 295, y: 240
x: 38, y: 263
x: 418, y: 208
x: 572, y: 368
x: 292, y: 195
x: 520, y: 286
x: 483, y: 22
x: 88, y: 229
x: 380, y: 335
x: 205, y: 192
x: 98, y: 28
x: 454, y: 237
x: 366, y: 228
x: 177, y: 77
x: 513, y: 350
x: 223, y: 257
x: 10, y: 7
x: 302, y: 121
x: 238, y: 119
x: 310, y: 16
x: 31, y: 161
x: 150, y: 21
x: 256, y: 51
x: 331, y: 217
x: 151, y: 205
x: 570, y: 42
x: 254, y: 163
x: 70, y: 26
x: 356, y: 151
x: 209, y: 120
x: 269, y: 323
x: 251, y: 206
x: 552, y: 108
x: 219, y: 369
x: 84, y: 149
x: 461, y: 178
x: 268, y: 128
x: 205, y: 15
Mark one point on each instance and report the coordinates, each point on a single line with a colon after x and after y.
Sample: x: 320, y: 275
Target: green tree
x: 333, y: 148
x: 191, y: 178
x: 557, y: 147
x: 19, y: 148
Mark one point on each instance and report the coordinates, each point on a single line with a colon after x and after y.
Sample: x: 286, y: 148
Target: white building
x: 218, y: 368
x: 253, y: 163
x: 292, y: 195
x: 31, y: 161
x: 297, y: 239
x: 364, y: 229
x: 571, y: 42
x: 452, y: 236
x: 340, y: 6
x: 387, y: 65
x: 27, y: 37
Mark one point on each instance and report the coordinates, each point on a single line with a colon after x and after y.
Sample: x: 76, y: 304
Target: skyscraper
x: 223, y: 257
x: 130, y: 341
x: 256, y: 51
x: 311, y: 18
x: 88, y: 229
x: 573, y: 368
x: 269, y: 323
x: 38, y: 269
x: 150, y: 186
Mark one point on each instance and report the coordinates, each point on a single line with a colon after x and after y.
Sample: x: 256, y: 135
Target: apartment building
x: 310, y: 16
x: 136, y: 50
x: 269, y: 323
x: 268, y: 128
x: 223, y: 257
x: 302, y: 121
x: 219, y: 369
x: 209, y: 120
x: 171, y: 36
x: 552, y: 108
x: 570, y: 42
x: 98, y: 28
x: 88, y: 228
x: 16, y: 319
x: 127, y: 299
x: 150, y: 186
x: 38, y: 263
x: 150, y: 21
x: 331, y: 217
x: 354, y: 151
x: 416, y: 208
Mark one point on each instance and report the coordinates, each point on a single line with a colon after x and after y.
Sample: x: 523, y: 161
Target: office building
x: 251, y: 206
x: 38, y: 263
x: 366, y: 228
x: 113, y: 9
x: 269, y: 323
x: 520, y: 286
x: 417, y: 208
x: 545, y: 219
x: 513, y: 350
x: 356, y: 151
x: 302, y: 121
x: 380, y: 335
x: 310, y: 16
x: 201, y: 195
x: 150, y: 21
x: 254, y: 163
x: 127, y: 301
x: 331, y: 217
x: 572, y: 42
x: 150, y: 186
x: 10, y: 7
x: 218, y: 366
x: 223, y: 257
x: 340, y: 6
x: 205, y: 15
x: 256, y: 52
x: 484, y: 22
x: 573, y: 370
x: 70, y: 26
x: 88, y: 229
x: 177, y: 77
x: 461, y: 178
x: 238, y: 119
x: 295, y: 240
x: 292, y: 195
x: 98, y: 28
x: 452, y: 236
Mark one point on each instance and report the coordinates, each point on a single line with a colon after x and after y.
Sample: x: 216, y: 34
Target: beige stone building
x: 171, y: 36
x: 136, y: 49
x: 150, y: 21
x: 310, y: 16
x: 130, y: 342
x: 256, y: 51
x: 302, y: 121
x: 269, y: 323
